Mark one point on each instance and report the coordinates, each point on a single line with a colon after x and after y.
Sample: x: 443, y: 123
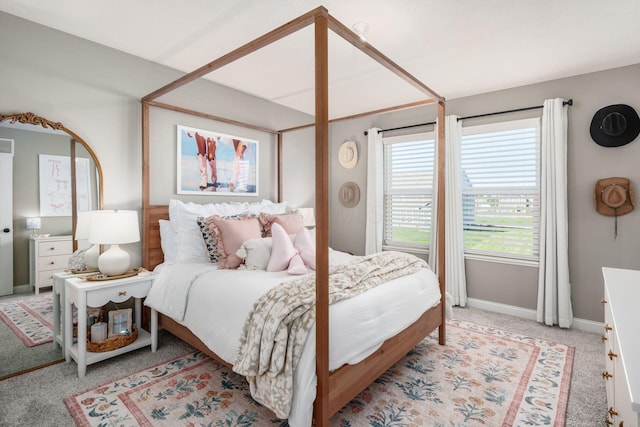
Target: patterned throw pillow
x: 209, y: 240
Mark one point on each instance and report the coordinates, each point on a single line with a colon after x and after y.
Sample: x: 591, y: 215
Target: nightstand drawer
x: 56, y: 262
x: 45, y: 278
x: 55, y: 248
x: 99, y: 297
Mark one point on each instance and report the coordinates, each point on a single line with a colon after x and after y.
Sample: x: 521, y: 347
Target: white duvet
x: 214, y: 305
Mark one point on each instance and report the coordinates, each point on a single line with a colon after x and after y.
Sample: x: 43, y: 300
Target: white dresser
x: 47, y: 256
x: 622, y: 346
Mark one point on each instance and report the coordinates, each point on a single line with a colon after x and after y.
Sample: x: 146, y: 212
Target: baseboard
x: 526, y: 313
x: 22, y: 289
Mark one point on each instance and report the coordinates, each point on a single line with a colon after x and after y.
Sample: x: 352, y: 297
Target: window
x: 408, y: 182
x: 501, y: 189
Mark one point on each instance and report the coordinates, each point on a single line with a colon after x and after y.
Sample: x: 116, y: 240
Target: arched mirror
x: 47, y: 175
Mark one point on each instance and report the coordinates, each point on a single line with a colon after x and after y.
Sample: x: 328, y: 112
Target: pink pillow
x: 306, y: 247
x: 230, y: 234
x: 296, y: 266
x: 291, y: 222
x: 292, y: 257
x: 282, y: 249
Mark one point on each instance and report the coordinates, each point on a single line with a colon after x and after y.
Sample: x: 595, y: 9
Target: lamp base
x: 91, y: 257
x: 114, y: 261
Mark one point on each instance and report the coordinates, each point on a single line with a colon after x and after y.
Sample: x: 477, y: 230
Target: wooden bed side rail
x: 348, y: 381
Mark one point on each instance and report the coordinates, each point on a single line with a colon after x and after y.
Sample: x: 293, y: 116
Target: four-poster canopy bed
x: 336, y: 388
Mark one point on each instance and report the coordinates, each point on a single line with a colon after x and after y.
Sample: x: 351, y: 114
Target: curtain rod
x: 366, y: 132
x: 569, y: 103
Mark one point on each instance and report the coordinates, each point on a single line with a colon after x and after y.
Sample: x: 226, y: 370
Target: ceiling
x: 456, y: 47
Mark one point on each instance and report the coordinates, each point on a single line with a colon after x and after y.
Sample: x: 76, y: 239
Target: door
x: 6, y: 216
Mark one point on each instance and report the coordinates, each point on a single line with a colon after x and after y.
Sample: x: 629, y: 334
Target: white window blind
x: 501, y: 189
x: 408, y: 182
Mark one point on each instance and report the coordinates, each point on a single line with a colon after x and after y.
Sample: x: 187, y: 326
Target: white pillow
x: 183, y: 217
x: 168, y: 241
x: 256, y: 253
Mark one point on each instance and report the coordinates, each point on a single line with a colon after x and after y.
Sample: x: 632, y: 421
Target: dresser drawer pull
x: 52, y: 263
x: 611, y: 355
x: 603, y: 338
x: 122, y: 293
x: 608, y: 422
x: 606, y: 375
x: 603, y: 301
x: 621, y: 424
x: 607, y: 328
x: 52, y: 248
x: 612, y: 413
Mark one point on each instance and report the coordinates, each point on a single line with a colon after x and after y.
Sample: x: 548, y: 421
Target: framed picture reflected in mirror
x: 119, y: 322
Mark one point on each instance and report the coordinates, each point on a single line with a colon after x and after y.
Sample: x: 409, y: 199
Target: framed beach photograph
x: 214, y: 163
x: 119, y: 322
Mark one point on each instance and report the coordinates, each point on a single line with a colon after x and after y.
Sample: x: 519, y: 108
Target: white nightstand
x: 47, y: 256
x: 83, y: 294
x: 59, y: 280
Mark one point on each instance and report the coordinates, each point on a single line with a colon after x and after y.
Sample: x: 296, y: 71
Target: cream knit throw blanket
x: 276, y: 330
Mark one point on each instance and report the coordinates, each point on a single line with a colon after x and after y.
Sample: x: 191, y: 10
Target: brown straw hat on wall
x: 614, y: 196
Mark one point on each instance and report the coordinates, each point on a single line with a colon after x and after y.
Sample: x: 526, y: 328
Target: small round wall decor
x: 349, y: 194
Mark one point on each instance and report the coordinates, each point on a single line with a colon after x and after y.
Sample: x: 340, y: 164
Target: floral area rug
x: 31, y: 319
x: 482, y: 377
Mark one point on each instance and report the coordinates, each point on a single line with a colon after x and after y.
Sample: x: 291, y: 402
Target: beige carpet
x: 37, y: 397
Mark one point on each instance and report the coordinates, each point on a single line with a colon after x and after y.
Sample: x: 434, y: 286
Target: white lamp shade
x: 114, y: 227
x: 83, y: 225
x: 34, y: 223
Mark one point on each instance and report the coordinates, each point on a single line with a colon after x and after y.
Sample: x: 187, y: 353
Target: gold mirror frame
x: 32, y: 119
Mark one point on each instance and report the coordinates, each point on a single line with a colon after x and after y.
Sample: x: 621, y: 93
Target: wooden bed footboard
x: 348, y: 381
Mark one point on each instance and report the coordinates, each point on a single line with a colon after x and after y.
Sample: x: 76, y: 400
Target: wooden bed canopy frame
x: 334, y: 389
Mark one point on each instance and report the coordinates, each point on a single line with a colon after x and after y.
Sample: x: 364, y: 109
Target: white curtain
x: 375, y: 213
x: 454, y: 249
x: 554, y: 288
x: 433, y: 245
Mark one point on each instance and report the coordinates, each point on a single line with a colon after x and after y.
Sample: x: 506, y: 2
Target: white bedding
x: 214, y: 305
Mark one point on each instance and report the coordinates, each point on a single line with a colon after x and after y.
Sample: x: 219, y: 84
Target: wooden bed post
x: 74, y: 193
x: 441, y: 219
x: 321, y: 405
x: 145, y: 185
x: 279, y: 168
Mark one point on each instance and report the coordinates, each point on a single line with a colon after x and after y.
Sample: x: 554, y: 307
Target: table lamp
x: 308, y: 217
x: 33, y: 224
x: 83, y: 226
x: 115, y: 228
